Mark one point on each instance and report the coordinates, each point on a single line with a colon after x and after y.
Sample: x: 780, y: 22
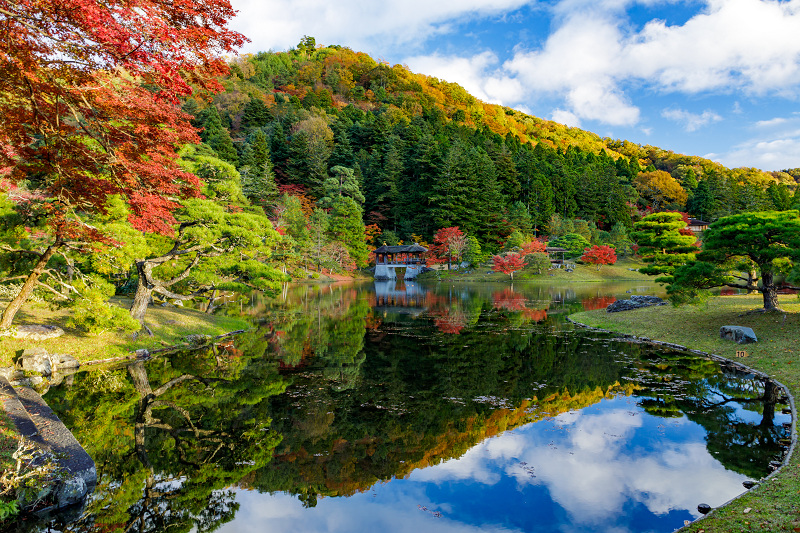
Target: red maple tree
x: 533, y: 247
x: 449, y: 242
x: 90, y: 93
x: 599, y: 255
x: 508, y: 263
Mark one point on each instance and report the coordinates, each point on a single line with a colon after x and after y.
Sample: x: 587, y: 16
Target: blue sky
x: 716, y: 78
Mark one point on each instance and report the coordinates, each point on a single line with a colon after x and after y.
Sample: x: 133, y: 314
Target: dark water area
x: 399, y: 407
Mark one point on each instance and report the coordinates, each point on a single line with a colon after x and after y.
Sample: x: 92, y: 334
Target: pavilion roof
x: 406, y: 248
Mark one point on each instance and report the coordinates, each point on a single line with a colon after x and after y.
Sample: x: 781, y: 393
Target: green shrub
x: 92, y: 313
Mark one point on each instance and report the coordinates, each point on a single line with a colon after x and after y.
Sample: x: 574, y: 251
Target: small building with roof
x: 698, y: 226
x: 389, y: 258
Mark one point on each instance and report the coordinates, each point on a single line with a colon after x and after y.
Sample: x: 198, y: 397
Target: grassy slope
x: 621, y: 271
x: 774, y: 505
x: 169, y: 325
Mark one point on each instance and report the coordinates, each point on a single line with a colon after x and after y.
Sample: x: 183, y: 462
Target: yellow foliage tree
x: 660, y: 189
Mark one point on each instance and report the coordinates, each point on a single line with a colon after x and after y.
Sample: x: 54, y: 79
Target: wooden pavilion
x: 388, y: 258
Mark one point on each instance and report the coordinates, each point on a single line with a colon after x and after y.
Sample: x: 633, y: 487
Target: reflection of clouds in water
x: 280, y: 513
x: 584, y: 460
x: 583, y: 465
x: 475, y: 465
x: 591, y: 477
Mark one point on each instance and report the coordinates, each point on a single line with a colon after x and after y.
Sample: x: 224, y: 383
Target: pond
x: 400, y: 407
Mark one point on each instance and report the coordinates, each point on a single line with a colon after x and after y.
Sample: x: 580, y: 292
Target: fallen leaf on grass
x: 747, y: 510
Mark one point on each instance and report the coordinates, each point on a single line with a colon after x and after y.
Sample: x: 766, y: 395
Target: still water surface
x: 408, y: 408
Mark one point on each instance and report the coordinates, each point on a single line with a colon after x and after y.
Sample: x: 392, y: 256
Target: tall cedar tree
x: 90, y: 94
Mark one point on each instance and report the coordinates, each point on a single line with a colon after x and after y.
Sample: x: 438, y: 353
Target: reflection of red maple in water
x: 597, y: 302
x: 508, y: 299
x: 535, y: 315
x: 450, y: 324
x: 513, y: 301
x: 727, y: 291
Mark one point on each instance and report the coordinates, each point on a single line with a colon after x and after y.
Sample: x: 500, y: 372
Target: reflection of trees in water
x: 370, y: 399
x: 677, y: 385
x: 424, y: 397
x: 171, y: 439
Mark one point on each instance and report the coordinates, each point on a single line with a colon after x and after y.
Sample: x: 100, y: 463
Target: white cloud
x: 774, y: 146
x: 691, y: 121
x: 360, y: 24
x: 477, y: 74
x: 595, y: 58
x: 568, y: 118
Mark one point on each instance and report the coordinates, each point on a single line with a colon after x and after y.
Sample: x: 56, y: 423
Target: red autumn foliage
x: 449, y: 243
x: 535, y: 315
x: 509, y: 300
x: 599, y: 255
x: 450, y: 324
x: 597, y: 302
x: 508, y: 263
x: 90, y: 99
x: 535, y: 246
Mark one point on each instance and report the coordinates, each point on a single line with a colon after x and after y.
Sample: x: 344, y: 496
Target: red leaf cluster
x: 535, y: 246
x: 508, y: 263
x: 90, y: 92
x: 599, y: 255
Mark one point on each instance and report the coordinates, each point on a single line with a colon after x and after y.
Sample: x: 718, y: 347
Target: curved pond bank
x: 774, y: 504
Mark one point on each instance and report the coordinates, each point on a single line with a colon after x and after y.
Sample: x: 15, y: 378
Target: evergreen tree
x: 767, y: 239
x: 261, y: 152
x: 519, y: 218
x: 280, y: 152
x: 298, y: 168
x: 255, y: 113
x: 246, y: 157
x: 662, y: 244
x: 347, y: 226
x: 342, y: 183
x: 342, y: 154
x: 507, y: 175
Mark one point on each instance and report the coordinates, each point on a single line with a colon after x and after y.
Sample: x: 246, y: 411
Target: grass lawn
x: 8, y: 441
x: 624, y: 270
x: 169, y: 325
x: 775, y: 504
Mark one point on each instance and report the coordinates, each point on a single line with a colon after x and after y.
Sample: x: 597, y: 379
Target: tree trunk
x: 27, y: 287
x: 144, y: 292
x: 771, y: 393
x: 769, y: 291
x: 752, y: 281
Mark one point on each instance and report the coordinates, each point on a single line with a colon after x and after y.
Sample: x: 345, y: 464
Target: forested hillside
x: 415, y: 154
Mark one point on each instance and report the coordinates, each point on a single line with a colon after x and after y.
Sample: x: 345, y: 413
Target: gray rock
x: 738, y: 334
x: 71, y: 491
x: 197, y: 339
x: 35, y: 332
x: 35, y: 360
x: 636, y: 301
x: 64, y: 361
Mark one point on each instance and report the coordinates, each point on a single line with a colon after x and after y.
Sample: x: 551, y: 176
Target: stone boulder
x: 35, y: 360
x: 34, y: 332
x: 738, y: 334
x: 636, y: 301
x: 39, y: 361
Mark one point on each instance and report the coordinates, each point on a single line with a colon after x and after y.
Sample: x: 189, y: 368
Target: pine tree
x: 255, y: 113
x: 347, y: 226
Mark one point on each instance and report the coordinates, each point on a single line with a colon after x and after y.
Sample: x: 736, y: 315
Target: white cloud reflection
x: 582, y: 459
